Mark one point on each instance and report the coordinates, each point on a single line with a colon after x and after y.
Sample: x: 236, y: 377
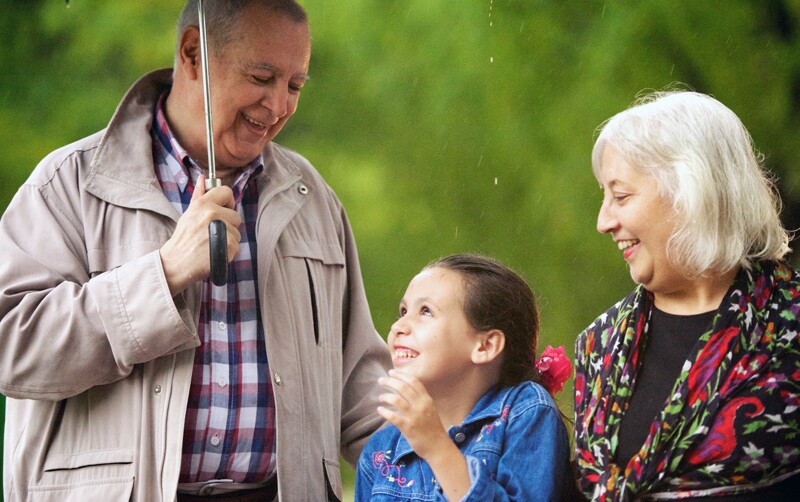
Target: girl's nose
x: 399, y: 327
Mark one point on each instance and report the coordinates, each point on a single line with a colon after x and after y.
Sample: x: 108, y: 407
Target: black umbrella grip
x: 218, y: 250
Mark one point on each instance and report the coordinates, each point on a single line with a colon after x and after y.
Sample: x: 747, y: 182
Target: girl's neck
x: 454, y: 404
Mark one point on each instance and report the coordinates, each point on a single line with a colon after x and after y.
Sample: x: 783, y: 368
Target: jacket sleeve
x: 533, y: 465
x: 365, y: 358
x: 63, y: 330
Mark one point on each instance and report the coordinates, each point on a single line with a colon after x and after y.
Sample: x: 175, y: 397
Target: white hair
x: 704, y: 163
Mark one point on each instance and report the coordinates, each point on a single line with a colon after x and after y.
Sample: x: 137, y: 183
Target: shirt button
x: 223, y: 381
x: 278, y: 380
x: 222, y: 326
x: 215, y: 440
x: 157, y: 389
x: 460, y: 437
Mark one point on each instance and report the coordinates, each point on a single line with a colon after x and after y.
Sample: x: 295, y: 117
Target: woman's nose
x: 606, y: 220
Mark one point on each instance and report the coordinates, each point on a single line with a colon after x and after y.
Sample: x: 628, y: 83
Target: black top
x: 671, y: 339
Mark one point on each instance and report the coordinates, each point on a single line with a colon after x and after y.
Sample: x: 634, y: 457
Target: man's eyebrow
x: 274, y: 69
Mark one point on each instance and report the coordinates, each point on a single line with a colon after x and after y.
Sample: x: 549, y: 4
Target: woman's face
x: 640, y: 220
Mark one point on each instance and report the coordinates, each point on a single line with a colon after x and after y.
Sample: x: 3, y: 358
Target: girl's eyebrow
x: 427, y: 300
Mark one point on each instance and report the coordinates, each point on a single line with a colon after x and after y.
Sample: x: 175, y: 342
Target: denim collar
x: 489, y: 407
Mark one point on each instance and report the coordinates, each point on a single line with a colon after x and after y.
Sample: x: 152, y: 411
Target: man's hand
x: 185, y: 256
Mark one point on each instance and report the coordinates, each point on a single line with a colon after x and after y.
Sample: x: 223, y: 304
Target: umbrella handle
x: 218, y: 252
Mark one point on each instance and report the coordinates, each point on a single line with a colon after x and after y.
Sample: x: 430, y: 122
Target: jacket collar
x: 122, y: 171
x: 488, y: 408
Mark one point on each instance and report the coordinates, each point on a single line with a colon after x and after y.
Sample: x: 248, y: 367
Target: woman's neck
x: 703, y: 294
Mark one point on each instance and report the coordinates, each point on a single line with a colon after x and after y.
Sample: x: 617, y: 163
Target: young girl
x: 468, y: 419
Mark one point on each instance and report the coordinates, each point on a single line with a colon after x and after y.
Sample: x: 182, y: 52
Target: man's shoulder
x: 285, y: 159
x: 73, y: 158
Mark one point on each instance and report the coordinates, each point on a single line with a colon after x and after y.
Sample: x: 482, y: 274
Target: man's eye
x: 262, y: 80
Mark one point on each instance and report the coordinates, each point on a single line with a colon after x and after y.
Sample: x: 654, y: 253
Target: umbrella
x: 217, y: 233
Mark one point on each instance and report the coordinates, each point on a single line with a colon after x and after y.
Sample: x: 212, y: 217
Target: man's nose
x: 275, y: 100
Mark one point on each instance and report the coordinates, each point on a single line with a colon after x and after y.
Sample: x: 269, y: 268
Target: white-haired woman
x: 689, y: 387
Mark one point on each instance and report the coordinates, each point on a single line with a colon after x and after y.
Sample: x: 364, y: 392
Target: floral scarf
x: 732, y: 420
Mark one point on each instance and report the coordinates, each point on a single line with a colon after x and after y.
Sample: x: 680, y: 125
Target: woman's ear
x: 489, y: 346
x: 189, y: 53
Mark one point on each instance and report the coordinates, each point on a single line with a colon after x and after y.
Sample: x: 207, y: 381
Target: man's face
x: 255, y: 84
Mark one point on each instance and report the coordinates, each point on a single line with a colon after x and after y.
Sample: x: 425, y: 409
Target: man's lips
x: 255, y: 123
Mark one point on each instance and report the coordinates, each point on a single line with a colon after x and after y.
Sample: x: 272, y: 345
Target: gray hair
x: 705, y: 164
x: 223, y: 15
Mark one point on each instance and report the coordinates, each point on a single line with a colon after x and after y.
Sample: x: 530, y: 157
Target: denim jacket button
x: 460, y: 437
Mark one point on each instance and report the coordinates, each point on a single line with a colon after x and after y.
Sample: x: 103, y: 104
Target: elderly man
x: 131, y: 376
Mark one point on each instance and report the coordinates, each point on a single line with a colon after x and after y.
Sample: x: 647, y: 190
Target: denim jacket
x: 515, y: 442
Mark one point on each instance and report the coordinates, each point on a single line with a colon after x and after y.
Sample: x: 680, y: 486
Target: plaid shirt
x: 230, y: 418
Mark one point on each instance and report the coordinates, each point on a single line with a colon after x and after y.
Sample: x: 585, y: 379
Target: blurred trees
x: 444, y: 127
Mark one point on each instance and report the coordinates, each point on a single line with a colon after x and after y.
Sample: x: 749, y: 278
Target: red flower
x: 555, y: 368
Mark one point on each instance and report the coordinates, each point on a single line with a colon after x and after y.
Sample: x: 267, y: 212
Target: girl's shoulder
x: 525, y: 397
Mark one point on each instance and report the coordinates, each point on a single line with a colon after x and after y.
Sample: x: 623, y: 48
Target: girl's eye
x: 426, y: 311
x: 402, y: 312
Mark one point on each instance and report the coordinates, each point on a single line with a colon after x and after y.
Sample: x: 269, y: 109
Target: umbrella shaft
x: 212, y: 180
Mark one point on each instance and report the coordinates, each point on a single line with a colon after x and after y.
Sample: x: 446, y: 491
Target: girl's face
x: 432, y: 340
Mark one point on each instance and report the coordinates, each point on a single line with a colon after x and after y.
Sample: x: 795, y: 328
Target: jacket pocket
x: 93, y: 475
x: 322, y: 265
x: 332, y: 472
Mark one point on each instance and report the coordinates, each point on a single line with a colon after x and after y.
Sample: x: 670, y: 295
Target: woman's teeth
x: 623, y: 245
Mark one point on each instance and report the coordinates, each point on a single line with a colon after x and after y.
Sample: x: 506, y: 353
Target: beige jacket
x: 96, y: 356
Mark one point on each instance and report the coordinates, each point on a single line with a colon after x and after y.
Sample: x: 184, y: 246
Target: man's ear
x: 189, y: 53
x: 489, y: 346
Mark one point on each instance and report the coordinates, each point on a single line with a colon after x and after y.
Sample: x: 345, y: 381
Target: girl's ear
x: 489, y: 346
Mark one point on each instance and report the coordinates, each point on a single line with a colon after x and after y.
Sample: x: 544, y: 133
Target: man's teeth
x: 623, y: 245
x: 406, y: 354
x: 254, y: 122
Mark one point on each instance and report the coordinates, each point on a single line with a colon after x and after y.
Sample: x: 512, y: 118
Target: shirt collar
x: 186, y: 170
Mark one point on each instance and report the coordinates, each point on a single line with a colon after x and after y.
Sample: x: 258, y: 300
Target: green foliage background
x: 444, y: 126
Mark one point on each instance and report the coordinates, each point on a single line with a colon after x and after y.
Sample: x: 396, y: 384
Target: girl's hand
x: 414, y: 413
